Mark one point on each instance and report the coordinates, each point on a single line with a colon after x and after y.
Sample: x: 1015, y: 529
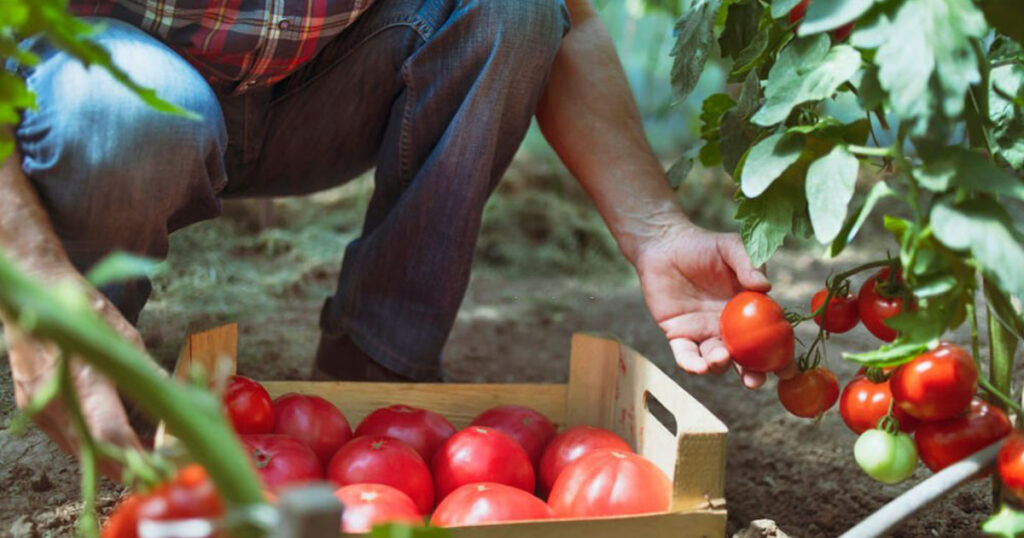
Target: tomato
x: 190, y: 495
x: 481, y: 454
x: 367, y: 505
x: 797, y: 13
x: 383, y: 460
x: 841, y: 314
x: 937, y: 384
x: 423, y: 430
x: 486, y: 503
x: 756, y: 333
x: 610, y: 483
x: 124, y: 520
x: 863, y: 403
x: 314, y: 421
x: 843, y: 32
x: 875, y: 308
x: 571, y: 445
x: 1011, y: 465
x: 281, y: 460
x: 886, y: 457
x: 945, y: 442
x: 810, y: 393
x: 529, y: 428
x: 249, y: 406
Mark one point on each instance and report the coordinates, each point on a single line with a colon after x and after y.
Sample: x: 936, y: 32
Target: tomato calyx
x: 260, y: 458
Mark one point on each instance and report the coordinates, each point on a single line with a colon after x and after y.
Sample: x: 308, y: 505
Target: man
x: 297, y: 96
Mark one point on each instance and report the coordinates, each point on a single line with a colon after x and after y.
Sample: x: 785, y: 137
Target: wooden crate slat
x: 702, y: 524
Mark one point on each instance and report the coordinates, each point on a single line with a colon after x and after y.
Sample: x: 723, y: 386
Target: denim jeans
x: 436, y: 94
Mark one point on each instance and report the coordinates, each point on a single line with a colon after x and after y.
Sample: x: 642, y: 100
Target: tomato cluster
x: 404, y: 463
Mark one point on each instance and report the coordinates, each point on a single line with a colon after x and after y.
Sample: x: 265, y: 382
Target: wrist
x: 638, y: 231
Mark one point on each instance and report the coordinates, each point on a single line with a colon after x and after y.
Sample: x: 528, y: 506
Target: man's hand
x: 687, y: 275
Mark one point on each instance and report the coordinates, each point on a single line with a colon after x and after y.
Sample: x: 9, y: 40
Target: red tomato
x: 249, y: 406
x: 190, y: 495
x: 840, y: 315
x: 314, y: 421
x: 937, y: 384
x: 809, y: 394
x: 843, y: 32
x: 124, y: 521
x: 480, y: 454
x: 863, y: 403
x: 282, y: 461
x: 797, y: 13
x: 486, y: 503
x: 875, y: 308
x: 1011, y: 465
x: 529, y: 428
x: 571, y: 445
x: 945, y: 442
x: 367, y: 505
x: 423, y: 430
x: 383, y: 460
x: 610, y: 483
x: 756, y: 333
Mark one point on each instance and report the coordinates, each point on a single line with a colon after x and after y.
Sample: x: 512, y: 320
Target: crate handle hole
x: 660, y: 413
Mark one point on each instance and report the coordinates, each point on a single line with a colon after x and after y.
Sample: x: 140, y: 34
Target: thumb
x: 730, y: 247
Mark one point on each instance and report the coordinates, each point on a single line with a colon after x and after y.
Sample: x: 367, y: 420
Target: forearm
x: 590, y: 118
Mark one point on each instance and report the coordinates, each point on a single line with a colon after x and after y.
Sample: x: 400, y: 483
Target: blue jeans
x: 436, y: 94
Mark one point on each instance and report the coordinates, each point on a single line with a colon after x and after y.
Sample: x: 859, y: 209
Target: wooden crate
x: 609, y: 386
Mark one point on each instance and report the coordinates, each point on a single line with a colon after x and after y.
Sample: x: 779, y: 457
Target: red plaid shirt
x: 245, y: 42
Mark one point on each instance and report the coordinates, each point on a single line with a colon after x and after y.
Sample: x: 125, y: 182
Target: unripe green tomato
x: 886, y: 457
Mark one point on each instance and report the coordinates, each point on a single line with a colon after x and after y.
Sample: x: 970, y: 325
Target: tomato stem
x: 1006, y: 401
x: 88, y: 525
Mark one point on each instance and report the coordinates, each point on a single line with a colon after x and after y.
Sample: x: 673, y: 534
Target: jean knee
x: 534, y: 28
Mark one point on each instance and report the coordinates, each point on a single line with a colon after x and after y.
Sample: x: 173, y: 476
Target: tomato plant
x: 756, y: 333
x: 314, y: 421
x: 864, y: 402
x: 249, y: 406
x: 571, y: 445
x: 889, y: 457
x: 481, y: 454
x: 875, y: 306
x: 528, y: 427
x: 488, y: 503
x: 937, y: 384
x: 809, y: 393
x: 610, y: 483
x: 383, y: 460
x: 282, y: 461
x: 367, y: 505
x: 423, y: 430
x: 945, y: 442
x: 1011, y: 465
x: 841, y: 314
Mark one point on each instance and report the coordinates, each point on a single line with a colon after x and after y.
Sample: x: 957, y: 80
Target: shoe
x: 338, y: 358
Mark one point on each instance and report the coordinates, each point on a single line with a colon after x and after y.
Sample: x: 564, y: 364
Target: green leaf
x: 752, y: 55
x: 678, y: 172
x: 947, y: 167
x: 890, y: 355
x: 825, y: 15
x: 806, y: 70
x: 869, y: 91
x: 767, y: 160
x: 781, y: 8
x: 736, y: 132
x: 711, y: 111
x: 830, y: 183
x: 741, y: 26
x: 856, y: 220
x: 1007, y: 523
x: 925, y: 60
x: 985, y: 229
x: 695, y: 35
x: 121, y: 267
x: 1007, y: 115
x: 765, y: 222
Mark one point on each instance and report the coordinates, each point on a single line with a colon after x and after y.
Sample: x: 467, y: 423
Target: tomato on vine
x: 756, y: 333
x: 840, y: 315
x: 937, y: 384
x: 864, y: 402
x: 876, y: 305
x: 945, y: 442
x: 1011, y: 465
x: 809, y: 393
x: 889, y: 457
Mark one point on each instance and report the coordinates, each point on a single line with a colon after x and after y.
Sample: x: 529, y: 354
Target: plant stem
x: 88, y: 526
x: 1006, y: 401
x: 972, y: 315
x: 841, y: 277
x: 1002, y: 346
x: 868, y: 151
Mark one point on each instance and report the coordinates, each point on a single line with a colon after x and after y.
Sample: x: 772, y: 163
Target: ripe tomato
x: 124, y: 521
x: 863, y: 403
x: 249, y: 406
x: 571, y: 445
x: 756, y: 333
x: 190, y: 495
x: 423, y: 430
x: 529, y: 428
x: 610, y: 483
x: 487, y: 502
x: 383, y: 460
x: 810, y: 393
x: 840, y: 315
x: 367, y: 505
x: 875, y: 308
x: 945, y: 442
x: 1011, y: 465
x: 314, y: 421
x: 481, y: 454
x: 282, y: 461
x: 797, y: 13
x: 886, y: 457
x: 937, y: 384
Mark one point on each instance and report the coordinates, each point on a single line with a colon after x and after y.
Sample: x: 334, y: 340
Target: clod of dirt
x: 24, y: 527
x: 761, y: 528
x: 41, y: 482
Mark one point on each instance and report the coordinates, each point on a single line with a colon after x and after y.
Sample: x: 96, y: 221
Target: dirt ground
x: 514, y: 326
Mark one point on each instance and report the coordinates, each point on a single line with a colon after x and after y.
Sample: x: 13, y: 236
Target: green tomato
x: 886, y: 457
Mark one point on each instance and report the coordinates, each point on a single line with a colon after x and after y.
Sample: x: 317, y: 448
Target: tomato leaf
x: 890, y: 355
x: 1007, y: 115
x: 678, y: 172
x: 1007, y: 523
x: 121, y: 267
x: 767, y: 160
x: 830, y: 183
x: 857, y: 219
x: 742, y: 26
x: 960, y: 167
x: 736, y: 133
x: 985, y: 229
x: 695, y: 36
x: 824, y: 15
x: 765, y: 222
x: 783, y: 7
x: 808, y: 69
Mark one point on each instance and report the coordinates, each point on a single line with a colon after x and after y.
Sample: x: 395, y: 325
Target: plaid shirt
x: 241, y: 43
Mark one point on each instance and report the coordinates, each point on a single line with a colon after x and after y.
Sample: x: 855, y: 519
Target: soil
x: 796, y: 472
